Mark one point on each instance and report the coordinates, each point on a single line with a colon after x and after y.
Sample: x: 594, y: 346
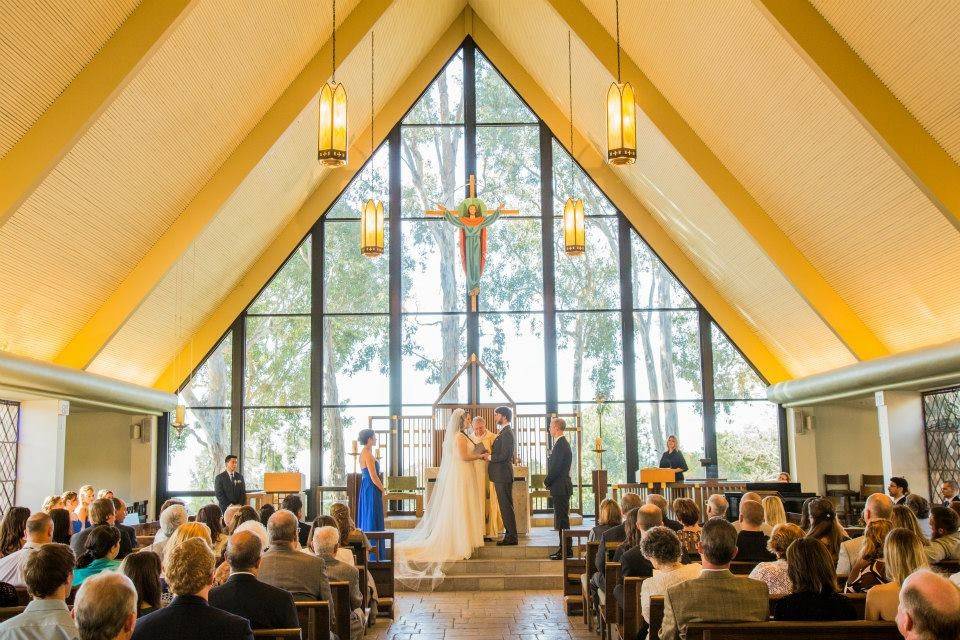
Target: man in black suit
x: 101, y: 511
x: 266, y: 607
x: 189, y: 574
x: 229, y: 485
x: 500, y: 471
x: 950, y: 491
x: 558, y: 480
x: 126, y: 533
x: 633, y: 564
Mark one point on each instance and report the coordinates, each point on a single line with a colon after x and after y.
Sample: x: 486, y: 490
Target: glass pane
x: 513, y: 276
x: 667, y: 348
x: 733, y: 376
x: 210, y: 384
x: 442, y: 102
x: 353, y: 283
x: 508, y: 168
x: 289, y: 290
x: 656, y: 421
x: 195, y: 456
x: 511, y: 347
x: 569, y: 180
x: 341, y: 426
x: 356, y: 360
x: 432, y: 169
x: 434, y: 349
x: 432, y: 277
x: 275, y: 440
x: 748, y: 441
x: 195, y: 503
x: 373, y: 181
x: 589, y: 356
x: 654, y: 287
x: 590, y: 281
x: 278, y: 361
x: 496, y: 100
x: 614, y: 441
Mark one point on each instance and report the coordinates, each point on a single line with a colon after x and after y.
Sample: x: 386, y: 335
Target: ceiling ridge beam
x: 594, y: 163
x: 316, y: 204
x: 870, y: 101
x: 836, y: 314
x: 89, y: 94
x: 90, y: 340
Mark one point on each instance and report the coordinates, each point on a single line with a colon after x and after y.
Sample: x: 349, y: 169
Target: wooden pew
x: 8, y: 612
x: 948, y: 567
x: 574, y: 566
x: 276, y: 634
x: 314, y: 616
x: 593, y: 548
x: 382, y: 570
x: 609, y: 609
x: 858, y: 630
x: 340, y: 594
x: 739, y: 568
x: 631, y: 617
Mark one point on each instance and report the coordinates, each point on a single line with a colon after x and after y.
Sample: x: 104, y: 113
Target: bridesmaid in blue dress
x: 370, y: 499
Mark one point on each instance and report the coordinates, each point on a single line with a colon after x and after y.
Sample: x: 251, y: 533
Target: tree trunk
x: 667, y: 365
x: 333, y: 427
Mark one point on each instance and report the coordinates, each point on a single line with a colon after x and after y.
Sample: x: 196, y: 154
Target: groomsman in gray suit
x: 500, y: 471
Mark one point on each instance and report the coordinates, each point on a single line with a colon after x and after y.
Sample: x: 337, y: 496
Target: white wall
x: 903, y: 449
x: 41, y: 451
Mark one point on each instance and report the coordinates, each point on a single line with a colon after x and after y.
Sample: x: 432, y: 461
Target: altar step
x: 537, y: 520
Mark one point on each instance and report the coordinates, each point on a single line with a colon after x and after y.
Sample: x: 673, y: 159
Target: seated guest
x: 945, y: 542
x: 659, y: 501
x: 903, y: 517
x: 143, y: 569
x: 189, y: 574
x: 294, y: 504
x: 633, y: 564
x: 773, y: 512
x: 608, y: 518
x: 101, y: 547
x: 266, y: 607
x: 775, y: 573
x: 70, y: 502
x: 184, y: 532
x: 754, y: 497
x: 246, y: 519
x: 210, y: 515
x: 929, y: 608
x: 921, y: 508
x: 877, y: 506
x: 101, y: 513
x: 162, y: 533
x: 50, y: 502
x: 170, y: 519
x: 814, y: 597
x: 869, y: 570
x: 825, y: 527
x: 716, y: 595
x: 717, y: 506
x: 688, y: 513
x: 752, y: 541
x: 13, y: 527
x: 628, y: 502
x: 106, y: 608
x: 349, y: 533
x: 661, y: 547
x: 903, y: 554
x: 228, y: 514
x: 285, y: 567
x: 39, y: 533
x: 105, y: 493
x: 783, y: 477
x: 85, y: 497
x: 805, y: 514
x: 327, y: 521
x: 62, y: 527
x: 950, y: 491
x: 326, y: 540
x: 898, y: 490
x: 127, y: 534
x: 48, y: 573
x: 265, y: 512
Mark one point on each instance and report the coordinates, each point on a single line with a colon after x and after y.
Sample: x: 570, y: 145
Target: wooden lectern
x: 282, y: 482
x: 653, y: 476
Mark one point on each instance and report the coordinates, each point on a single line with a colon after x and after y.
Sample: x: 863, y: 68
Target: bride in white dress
x: 452, y: 524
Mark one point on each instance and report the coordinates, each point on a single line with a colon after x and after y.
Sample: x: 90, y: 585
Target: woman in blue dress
x: 370, y: 499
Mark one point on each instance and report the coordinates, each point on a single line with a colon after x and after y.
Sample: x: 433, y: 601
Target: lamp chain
x: 334, y: 41
x: 570, y: 86
x: 618, y: 39
x: 371, y: 93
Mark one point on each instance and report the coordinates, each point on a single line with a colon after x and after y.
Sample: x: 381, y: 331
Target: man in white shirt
x: 878, y: 506
x: 39, y: 533
x: 48, y: 572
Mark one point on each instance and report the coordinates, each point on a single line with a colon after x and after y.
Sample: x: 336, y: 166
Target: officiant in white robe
x: 493, y: 524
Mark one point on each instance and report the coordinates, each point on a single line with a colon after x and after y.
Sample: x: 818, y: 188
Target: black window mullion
x: 470, y: 167
x: 709, y: 406
x: 549, y: 275
x: 238, y: 375
x: 396, y: 306
x: 316, y: 361
x: 629, y: 361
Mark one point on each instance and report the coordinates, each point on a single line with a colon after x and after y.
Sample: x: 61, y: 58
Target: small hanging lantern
x: 574, y: 228
x: 621, y: 116
x: 179, y: 419
x: 371, y: 228
x: 332, y: 122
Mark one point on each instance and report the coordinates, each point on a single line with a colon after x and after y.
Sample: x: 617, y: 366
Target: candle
x: 598, y: 445
x: 354, y: 446
x: 181, y: 415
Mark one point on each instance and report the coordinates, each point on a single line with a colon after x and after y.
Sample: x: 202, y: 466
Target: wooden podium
x: 653, y: 476
x: 277, y: 483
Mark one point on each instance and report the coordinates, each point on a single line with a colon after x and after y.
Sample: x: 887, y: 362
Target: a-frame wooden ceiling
x: 797, y: 164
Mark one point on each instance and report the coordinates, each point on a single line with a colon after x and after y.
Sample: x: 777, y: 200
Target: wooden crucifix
x: 472, y: 218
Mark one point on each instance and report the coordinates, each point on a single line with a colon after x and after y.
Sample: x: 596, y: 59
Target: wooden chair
x: 856, y: 630
x: 574, y: 566
x: 871, y: 484
x: 402, y: 488
x: 537, y: 489
x: 276, y: 634
x: 314, y: 616
x: 837, y: 489
x: 382, y: 570
x: 8, y: 612
x: 340, y: 594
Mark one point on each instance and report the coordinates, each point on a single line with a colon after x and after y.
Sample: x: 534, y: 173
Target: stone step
x: 546, y: 520
x: 503, y: 567
x: 492, y: 582
x: 532, y: 552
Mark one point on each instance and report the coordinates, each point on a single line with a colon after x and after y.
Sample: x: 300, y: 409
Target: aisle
x: 468, y: 615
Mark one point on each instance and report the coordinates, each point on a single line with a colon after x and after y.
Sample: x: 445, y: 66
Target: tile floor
x: 490, y: 615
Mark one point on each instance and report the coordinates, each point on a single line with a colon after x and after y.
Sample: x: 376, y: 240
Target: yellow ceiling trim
x: 124, y: 301
x: 594, y: 163
x: 814, y: 289
x: 312, y: 209
x: 25, y: 166
x: 890, y: 123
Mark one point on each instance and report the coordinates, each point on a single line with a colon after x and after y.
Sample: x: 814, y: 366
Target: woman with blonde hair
x: 85, y: 496
x: 773, y: 511
x: 903, y: 554
x: 186, y: 532
x: 870, y: 569
x: 903, y: 517
x: 70, y: 501
x: 775, y: 573
x: 608, y: 518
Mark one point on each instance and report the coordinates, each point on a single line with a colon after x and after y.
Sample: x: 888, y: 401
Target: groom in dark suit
x: 229, y: 486
x: 558, y: 480
x: 500, y: 471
